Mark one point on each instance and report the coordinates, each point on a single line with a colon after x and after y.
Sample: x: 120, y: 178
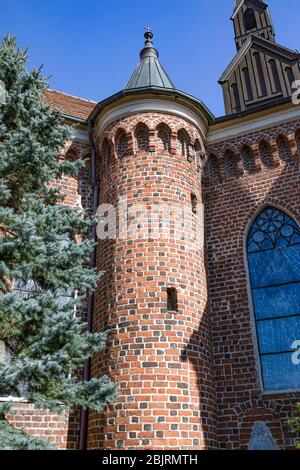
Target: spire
x: 149, y: 72
x: 252, y: 17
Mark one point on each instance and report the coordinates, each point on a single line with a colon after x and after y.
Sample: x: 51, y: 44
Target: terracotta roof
x: 70, y: 105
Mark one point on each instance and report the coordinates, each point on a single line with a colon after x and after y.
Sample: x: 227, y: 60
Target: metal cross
x: 148, y: 29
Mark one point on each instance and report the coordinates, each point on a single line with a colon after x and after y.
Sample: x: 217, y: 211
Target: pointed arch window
x: 275, y: 74
x: 185, y: 143
x: 142, y: 137
x: 290, y: 75
x: 248, y: 83
x: 236, y: 97
x: 261, y: 75
x: 249, y: 19
x: 273, y: 251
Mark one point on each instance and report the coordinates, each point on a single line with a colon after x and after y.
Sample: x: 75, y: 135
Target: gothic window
x: 284, y: 150
x: 248, y: 159
x: 121, y: 144
x: 249, y: 19
x: 248, y: 83
x: 273, y: 250
x: 266, y: 155
x: 142, y: 138
x: 236, y: 98
x: 260, y: 72
x: 275, y: 74
x: 164, y: 137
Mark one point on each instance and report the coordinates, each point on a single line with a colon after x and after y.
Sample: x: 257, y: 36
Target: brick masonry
x: 232, y: 202
x: 188, y: 379
x: 162, y: 360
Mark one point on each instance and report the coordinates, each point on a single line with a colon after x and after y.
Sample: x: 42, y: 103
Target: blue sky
x: 91, y: 47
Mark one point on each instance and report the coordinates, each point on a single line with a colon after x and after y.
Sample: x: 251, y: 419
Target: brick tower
x: 153, y: 295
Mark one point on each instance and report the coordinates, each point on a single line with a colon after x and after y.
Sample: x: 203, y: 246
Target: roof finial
x: 148, y: 36
x: 149, y: 50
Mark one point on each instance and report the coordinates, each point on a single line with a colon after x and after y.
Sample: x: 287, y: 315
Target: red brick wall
x: 188, y: 379
x: 42, y: 424
x: 162, y: 360
x: 231, y: 203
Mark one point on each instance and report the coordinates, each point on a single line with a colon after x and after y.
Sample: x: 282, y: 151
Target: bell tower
x: 262, y: 71
x: 252, y: 17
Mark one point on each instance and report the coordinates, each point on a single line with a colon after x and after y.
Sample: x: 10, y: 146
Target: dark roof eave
x: 255, y: 109
x: 77, y: 120
x: 153, y: 90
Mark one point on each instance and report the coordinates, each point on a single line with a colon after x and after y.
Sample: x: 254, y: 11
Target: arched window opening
x: 290, y: 76
x: 121, y: 144
x: 164, y: 137
x: 284, y: 150
x: 248, y: 159
x: 273, y: 251
x: 172, y: 299
x: 249, y: 19
x: 236, y: 97
x: 194, y: 203
x: 106, y: 152
x: 185, y: 142
x: 261, y: 75
x: 275, y: 75
x: 266, y: 155
x: 199, y: 154
x: 231, y: 164
x: 142, y: 138
x: 248, y: 84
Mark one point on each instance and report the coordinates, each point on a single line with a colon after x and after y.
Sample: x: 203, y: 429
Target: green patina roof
x: 149, y: 72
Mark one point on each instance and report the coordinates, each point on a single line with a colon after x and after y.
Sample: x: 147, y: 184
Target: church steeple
x: 149, y: 72
x: 252, y: 17
x: 262, y: 72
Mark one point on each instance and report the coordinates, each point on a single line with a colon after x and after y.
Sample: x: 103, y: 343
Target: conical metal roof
x: 149, y: 72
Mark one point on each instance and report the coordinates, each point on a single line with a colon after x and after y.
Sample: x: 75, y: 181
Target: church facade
x: 204, y: 319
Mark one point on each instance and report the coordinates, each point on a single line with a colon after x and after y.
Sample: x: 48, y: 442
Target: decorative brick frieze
x: 283, y: 140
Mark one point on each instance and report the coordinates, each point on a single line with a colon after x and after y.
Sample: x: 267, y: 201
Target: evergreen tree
x: 295, y: 422
x: 44, y: 273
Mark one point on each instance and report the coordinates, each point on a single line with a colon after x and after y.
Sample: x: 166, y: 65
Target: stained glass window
x: 273, y: 249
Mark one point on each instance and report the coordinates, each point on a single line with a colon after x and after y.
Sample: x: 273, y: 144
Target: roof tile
x: 70, y: 105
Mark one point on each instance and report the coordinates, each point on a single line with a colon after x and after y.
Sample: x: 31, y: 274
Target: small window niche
x: 194, y: 203
x: 172, y: 299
